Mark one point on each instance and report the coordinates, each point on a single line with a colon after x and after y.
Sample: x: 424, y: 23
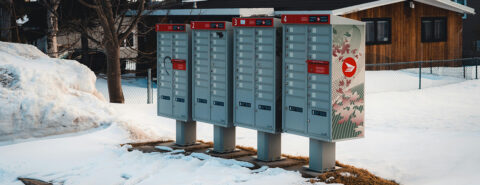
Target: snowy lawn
x: 428, y: 136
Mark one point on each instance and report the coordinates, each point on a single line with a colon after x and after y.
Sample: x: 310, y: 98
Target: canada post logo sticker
x: 349, y: 67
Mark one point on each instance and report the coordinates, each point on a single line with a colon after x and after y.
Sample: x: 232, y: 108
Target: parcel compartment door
x: 244, y: 72
x: 164, y: 73
x: 265, y: 78
x: 201, y: 75
x: 295, y: 79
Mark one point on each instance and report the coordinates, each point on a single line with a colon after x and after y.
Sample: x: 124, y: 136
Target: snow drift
x: 42, y: 96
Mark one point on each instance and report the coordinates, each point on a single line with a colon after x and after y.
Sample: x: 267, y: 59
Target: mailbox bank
x: 212, y: 80
x: 257, y: 81
x: 323, y: 82
x: 174, y: 77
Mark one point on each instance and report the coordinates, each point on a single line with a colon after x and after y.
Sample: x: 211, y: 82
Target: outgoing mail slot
x: 179, y: 64
x: 318, y: 67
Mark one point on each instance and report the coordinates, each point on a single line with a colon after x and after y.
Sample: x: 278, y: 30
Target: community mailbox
x: 323, y: 78
x: 174, y: 77
x: 212, y: 80
x: 257, y: 81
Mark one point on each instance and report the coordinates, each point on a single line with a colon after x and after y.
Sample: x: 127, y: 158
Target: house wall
x: 406, y: 42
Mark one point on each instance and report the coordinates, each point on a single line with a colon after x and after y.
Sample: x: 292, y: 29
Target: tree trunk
x: 115, y: 91
x: 52, y: 23
x: 85, y: 58
x: 5, y: 24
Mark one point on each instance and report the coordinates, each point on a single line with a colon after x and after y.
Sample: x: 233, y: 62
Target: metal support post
x: 420, y: 75
x: 223, y: 139
x: 431, y: 67
x: 464, y: 70
x: 149, y: 88
x: 186, y: 133
x: 269, y: 146
x: 476, y: 68
x: 322, y: 156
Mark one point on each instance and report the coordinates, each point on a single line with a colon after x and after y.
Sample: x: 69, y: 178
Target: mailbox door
x: 319, y: 83
x: 180, y: 75
x: 295, y: 78
x: 218, y: 73
x: 201, y: 75
x: 244, y: 70
x: 164, y: 73
x: 265, y: 78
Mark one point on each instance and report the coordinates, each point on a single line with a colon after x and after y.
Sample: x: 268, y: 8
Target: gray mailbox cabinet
x: 212, y: 79
x: 174, y: 71
x: 174, y: 79
x: 323, y: 82
x: 257, y: 73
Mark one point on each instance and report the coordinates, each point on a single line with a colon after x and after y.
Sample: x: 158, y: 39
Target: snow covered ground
x: 41, y: 96
x: 428, y: 136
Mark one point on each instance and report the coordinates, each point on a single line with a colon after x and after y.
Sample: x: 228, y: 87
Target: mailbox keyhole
x: 220, y: 34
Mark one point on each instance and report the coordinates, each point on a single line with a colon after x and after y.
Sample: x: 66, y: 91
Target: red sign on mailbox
x: 306, y: 19
x: 252, y: 22
x: 179, y: 64
x: 170, y: 27
x: 318, y: 67
x: 206, y: 25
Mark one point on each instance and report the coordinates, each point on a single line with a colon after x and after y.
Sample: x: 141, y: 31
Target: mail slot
x: 179, y: 64
x: 323, y: 78
x: 212, y: 72
x: 257, y: 73
x: 174, y: 71
x: 318, y: 67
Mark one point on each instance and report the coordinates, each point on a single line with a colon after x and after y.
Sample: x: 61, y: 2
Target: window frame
x: 375, y: 33
x: 422, y: 27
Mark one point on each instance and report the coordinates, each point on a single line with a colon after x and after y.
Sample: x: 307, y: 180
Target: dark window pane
x: 427, y: 30
x: 370, y: 29
x: 439, y: 30
x: 383, y: 31
x: 478, y: 45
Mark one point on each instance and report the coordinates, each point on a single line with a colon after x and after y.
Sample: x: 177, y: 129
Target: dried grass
x: 350, y: 175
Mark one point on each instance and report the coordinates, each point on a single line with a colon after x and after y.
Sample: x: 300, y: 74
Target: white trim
x: 303, y: 12
x: 448, y: 5
x: 445, y: 4
x: 364, y: 6
x: 242, y: 12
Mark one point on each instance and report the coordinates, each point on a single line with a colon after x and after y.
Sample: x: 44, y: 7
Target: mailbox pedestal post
x: 269, y: 146
x: 186, y: 133
x: 322, y: 155
x: 223, y: 139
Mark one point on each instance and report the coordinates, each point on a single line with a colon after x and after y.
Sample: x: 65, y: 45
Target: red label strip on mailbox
x: 318, y: 67
x: 306, y: 19
x: 179, y: 64
x: 170, y: 27
x: 252, y: 22
x: 202, y: 25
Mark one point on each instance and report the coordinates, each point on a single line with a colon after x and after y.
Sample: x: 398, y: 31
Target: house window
x: 477, y: 44
x: 378, y: 30
x: 434, y: 29
x: 128, y: 42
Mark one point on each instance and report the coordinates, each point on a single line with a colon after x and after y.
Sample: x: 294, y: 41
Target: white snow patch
x: 44, y: 96
x: 165, y: 148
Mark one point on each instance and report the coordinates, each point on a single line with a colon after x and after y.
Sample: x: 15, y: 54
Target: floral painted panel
x: 348, y: 105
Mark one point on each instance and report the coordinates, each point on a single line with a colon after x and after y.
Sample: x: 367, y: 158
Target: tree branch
x: 137, y: 18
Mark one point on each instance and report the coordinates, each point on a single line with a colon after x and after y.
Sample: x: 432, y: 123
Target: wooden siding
x: 406, y: 34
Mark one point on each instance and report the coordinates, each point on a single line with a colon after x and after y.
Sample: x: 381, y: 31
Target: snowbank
x: 42, y: 96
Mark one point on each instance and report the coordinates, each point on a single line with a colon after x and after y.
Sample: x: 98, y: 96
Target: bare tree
x: 111, y: 17
x: 52, y: 26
